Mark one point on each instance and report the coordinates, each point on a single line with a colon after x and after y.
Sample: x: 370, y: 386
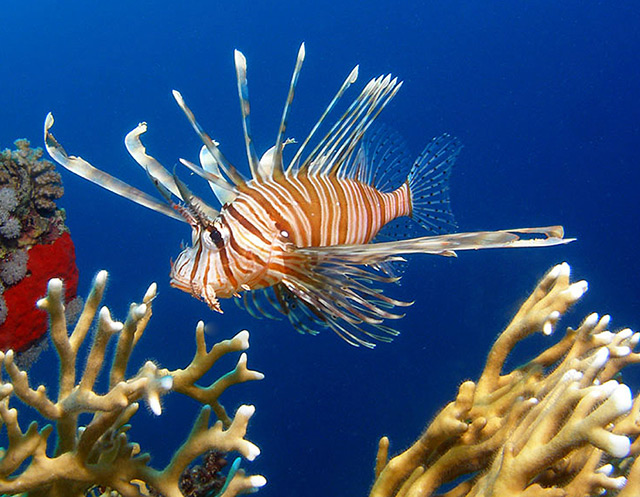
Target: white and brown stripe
x: 255, y: 232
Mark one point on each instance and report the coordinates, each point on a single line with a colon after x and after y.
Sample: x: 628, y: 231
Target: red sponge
x: 25, y: 323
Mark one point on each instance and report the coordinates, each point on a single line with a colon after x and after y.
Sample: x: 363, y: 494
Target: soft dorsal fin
x: 383, y: 160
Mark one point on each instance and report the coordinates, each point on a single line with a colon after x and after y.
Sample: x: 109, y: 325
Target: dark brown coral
x: 36, y: 186
x: 31, y: 176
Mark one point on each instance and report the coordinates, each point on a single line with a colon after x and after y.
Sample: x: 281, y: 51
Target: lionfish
x: 295, y: 239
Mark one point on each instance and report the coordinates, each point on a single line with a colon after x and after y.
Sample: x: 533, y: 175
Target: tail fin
x: 429, y: 184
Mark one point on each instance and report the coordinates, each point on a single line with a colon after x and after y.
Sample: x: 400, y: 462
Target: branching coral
x: 101, y: 453
x: 558, y: 426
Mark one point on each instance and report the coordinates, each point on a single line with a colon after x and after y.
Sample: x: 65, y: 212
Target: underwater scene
x: 432, y: 199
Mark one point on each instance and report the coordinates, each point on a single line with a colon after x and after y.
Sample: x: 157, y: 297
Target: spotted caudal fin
x: 429, y: 184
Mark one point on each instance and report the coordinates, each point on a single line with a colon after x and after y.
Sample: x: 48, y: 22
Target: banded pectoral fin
x: 446, y: 245
x: 337, y: 287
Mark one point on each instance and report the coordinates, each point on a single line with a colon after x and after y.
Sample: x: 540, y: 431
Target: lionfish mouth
x: 207, y: 296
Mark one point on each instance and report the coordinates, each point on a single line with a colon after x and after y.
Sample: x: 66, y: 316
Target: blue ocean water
x: 543, y: 94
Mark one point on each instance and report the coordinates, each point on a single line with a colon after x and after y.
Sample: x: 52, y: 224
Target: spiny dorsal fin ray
x: 223, y: 190
x: 245, y: 108
x: 198, y: 208
x: 353, y: 76
x: 85, y: 170
x: 379, y: 102
x: 278, y: 167
x: 217, y: 183
x: 139, y: 153
x: 341, y: 141
x: 228, y: 169
x: 332, y: 134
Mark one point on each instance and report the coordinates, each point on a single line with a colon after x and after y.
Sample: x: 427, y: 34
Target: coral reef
x: 70, y: 459
x: 560, y: 425
x: 35, y: 245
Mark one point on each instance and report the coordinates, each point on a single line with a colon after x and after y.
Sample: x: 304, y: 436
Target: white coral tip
x: 624, y: 334
x: 165, y: 383
x: 622, y: 399
x: 600, y: 358
x: 55, y: 285
x: 591, y: 320
x: 572, y: 375
x: 154, y: 403
x: 608, y: 388
x: 621, y: 351
x: 604, y: 337
x: 257, y: 481
x: 577, y: 290
x: 547, y: 328
x: 555, y: 271
x: 619, y: 482
x: 555, y: 315
x: 139, y: 311
x: 633, y: 341
x: 101, y: 278
x: 253, y: 451
x: 243, y: 338
x: 565, y: 269
x: 618, y: 445
x: 151, y: 292
x: 246, y: 411
x: 607, y: 469
x: 605, y: 320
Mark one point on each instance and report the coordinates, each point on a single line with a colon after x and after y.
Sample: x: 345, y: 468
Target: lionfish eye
x: 216, y: 237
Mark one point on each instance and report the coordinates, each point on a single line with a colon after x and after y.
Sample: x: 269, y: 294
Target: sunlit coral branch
x: 560, y: 425
x: 100, y: 454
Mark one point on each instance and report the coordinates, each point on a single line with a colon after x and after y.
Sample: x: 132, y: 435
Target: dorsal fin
x: 224, y: 191
x: 228, y: 169
x: 342, y: 139
x: 353, y: 76
x: 85, y: 170
x: 139, y: 153
x: 278, y: 167
x: 383, y: 160
x: 245, y: 108
x: 340, y: 152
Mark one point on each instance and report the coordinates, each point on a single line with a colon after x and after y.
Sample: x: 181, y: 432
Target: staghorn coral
x: 558, y: 426
x: 69, y: 460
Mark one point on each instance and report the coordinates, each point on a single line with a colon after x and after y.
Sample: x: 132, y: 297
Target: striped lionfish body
x: 256, y: 232
x: 300, y: 240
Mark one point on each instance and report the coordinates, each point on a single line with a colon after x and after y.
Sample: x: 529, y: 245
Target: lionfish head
x: 198, y: 269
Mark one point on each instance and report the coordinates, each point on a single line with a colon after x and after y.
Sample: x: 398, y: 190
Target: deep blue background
x: 543, y: 94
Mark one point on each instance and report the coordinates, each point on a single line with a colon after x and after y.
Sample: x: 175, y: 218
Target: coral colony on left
x: 35, y: 244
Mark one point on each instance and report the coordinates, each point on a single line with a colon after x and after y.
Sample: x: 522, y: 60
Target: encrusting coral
x: 559, y: 426
x: 100, y: 457
x: 35, y: 245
